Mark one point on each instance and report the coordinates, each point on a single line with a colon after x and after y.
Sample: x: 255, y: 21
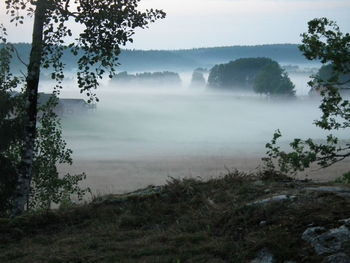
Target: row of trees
x: 263, y: 75
x: 152, y: 79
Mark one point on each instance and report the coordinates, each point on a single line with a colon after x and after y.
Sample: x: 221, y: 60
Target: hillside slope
x: 236, y: 218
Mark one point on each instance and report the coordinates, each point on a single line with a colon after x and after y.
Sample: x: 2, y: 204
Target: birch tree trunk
x: 25, y: 167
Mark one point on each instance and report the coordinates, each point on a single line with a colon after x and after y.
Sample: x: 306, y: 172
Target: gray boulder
x: 264, y: 256
x: 327, y: 241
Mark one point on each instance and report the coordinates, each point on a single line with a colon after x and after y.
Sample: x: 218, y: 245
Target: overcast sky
x: 208, y: 23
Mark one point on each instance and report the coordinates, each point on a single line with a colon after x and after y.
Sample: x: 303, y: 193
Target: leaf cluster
x: 11, y: 124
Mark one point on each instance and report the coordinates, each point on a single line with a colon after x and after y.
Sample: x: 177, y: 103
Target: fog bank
x: 137, y: 137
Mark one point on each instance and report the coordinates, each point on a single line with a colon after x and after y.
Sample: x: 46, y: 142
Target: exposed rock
x: 276, y: 198
x: 262, y: 223
x: 337, y: 258
x: 326, y: 242
x: 264, y: 256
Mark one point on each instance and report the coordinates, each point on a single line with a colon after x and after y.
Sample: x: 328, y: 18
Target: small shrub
x: 344, y: 179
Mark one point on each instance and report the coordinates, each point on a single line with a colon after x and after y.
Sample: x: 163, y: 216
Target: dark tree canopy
x: 262, y: 75
x: 238, y: 74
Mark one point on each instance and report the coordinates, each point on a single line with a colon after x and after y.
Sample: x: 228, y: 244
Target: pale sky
x: 209, y: 23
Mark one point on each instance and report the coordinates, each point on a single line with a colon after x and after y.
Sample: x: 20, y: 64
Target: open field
x: 120, y: 176
x: 138, y: 137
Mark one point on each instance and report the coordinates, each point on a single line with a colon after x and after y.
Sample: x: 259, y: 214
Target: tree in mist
x: 106, y: 25
x: 239, y: 74
x: 273, y: 80
x: 324, y: 42
x: 197, y: 79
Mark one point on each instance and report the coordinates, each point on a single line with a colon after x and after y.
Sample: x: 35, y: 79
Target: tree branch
x: 17, y: 55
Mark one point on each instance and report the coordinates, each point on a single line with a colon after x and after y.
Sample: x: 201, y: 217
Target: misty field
x: 142, y: 136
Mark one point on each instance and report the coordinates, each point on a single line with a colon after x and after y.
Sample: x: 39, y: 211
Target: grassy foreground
x: 184, y: 221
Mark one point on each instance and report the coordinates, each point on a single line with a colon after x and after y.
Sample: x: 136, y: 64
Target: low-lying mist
x: 156, y: 122
x: 138, y: 136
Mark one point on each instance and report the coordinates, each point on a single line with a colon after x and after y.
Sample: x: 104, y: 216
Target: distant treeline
x: 154, y: 79
x: 179, y: 60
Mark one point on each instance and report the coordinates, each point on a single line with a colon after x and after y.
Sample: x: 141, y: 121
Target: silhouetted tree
x: 47, y: 186
x: 107, y: 25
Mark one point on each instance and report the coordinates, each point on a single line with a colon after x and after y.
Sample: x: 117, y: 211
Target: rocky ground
x: 236, y: 218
